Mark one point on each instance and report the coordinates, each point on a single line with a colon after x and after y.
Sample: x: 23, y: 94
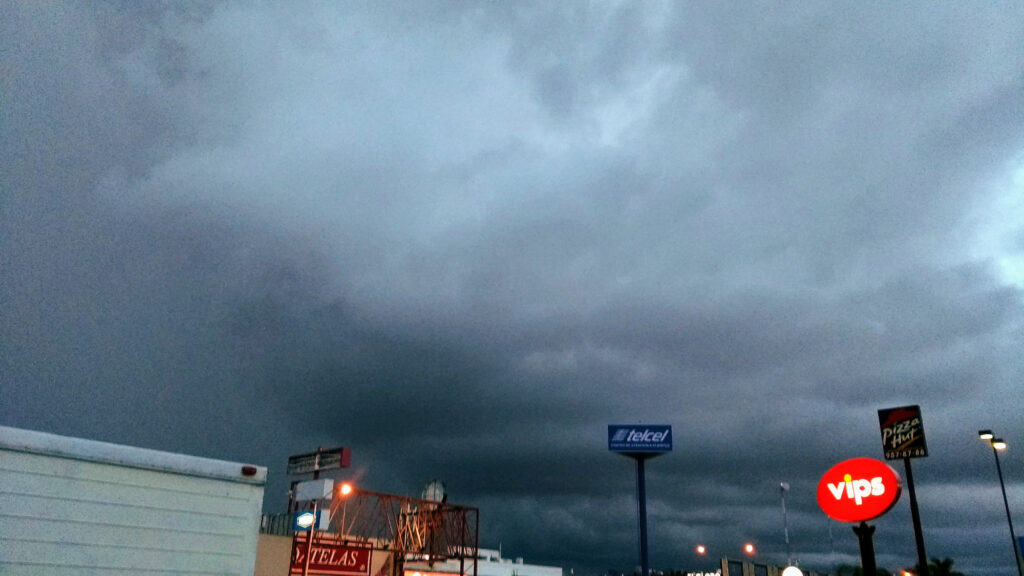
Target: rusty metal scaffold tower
x: 410, y: 528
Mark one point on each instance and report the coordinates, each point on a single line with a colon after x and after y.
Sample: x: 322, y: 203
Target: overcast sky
x: 463, y: 238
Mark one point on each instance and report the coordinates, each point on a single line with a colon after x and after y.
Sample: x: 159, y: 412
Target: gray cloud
x: 463, y: 238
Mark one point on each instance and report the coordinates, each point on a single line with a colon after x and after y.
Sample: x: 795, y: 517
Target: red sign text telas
x: 329, y: 559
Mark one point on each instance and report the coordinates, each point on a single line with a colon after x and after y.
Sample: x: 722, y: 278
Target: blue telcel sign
x: 640, y: 438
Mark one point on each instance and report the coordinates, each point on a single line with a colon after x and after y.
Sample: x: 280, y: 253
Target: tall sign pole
x: 641, y: 512
x: 640, y: 442
x: 309, y: 541
x: 903, y: 438
x: 915, y: 517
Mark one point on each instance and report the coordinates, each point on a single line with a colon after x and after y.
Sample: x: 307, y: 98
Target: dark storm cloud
x: 462, y: 239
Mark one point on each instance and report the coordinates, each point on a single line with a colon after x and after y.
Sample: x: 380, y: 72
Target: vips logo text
x: 858, y: 489
x: 639, y: 438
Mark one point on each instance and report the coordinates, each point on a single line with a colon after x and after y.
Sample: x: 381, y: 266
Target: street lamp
x: 748, y: 548
x: 997, y: 445
x: 344, y: 491
x: 701, y: 550
x: 783, y: 488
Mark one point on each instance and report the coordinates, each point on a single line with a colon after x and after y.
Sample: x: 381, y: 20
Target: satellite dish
x: 435, y: 492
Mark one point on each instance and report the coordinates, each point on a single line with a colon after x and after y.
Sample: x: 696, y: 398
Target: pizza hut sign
x: 858, y: 489
x: 902, y: 433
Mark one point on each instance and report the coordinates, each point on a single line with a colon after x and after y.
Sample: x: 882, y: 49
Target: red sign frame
x: 329, y: 558
x: 858, y: 489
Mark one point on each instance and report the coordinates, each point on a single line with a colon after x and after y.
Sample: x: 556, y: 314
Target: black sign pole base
x: 866, y: 537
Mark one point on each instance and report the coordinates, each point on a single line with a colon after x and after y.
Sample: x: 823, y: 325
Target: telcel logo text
x: 644, y: 436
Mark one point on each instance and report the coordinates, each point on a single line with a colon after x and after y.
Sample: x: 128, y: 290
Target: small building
x: 274, y: 559
x: 489, y: 563
x: 734, y: 567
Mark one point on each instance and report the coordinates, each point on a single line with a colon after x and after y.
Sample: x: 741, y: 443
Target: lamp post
x: 783, y: 488
x: 997, y: 445
x: 309, y: 541
x: 343, y: 492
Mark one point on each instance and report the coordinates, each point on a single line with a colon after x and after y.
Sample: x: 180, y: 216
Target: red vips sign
x: 329, y: 558
x: 858, y: 489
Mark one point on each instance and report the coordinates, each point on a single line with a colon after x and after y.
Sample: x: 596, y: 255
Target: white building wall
x: 82, y: 507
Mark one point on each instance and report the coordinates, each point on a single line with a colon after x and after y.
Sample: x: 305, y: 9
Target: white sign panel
x: 314, y: 489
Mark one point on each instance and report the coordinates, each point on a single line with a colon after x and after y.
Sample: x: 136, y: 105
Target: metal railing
x: 276, y: 524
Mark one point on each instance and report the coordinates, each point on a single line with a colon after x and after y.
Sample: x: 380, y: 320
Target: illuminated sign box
x: 315, y: 489
x: 639, y: 438
x: 858, y: 490
x: 329, y: 558
x: 902, y: 433
x: 301, y: 521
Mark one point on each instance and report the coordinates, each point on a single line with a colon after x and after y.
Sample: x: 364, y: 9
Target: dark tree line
x: 936, y: 567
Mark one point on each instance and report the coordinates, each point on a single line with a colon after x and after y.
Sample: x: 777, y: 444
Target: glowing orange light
x: 345, y: 489
x: 748, y: 548
x: 701, y: 549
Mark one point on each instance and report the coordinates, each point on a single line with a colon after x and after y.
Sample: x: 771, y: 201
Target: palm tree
x: 937, y: 567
